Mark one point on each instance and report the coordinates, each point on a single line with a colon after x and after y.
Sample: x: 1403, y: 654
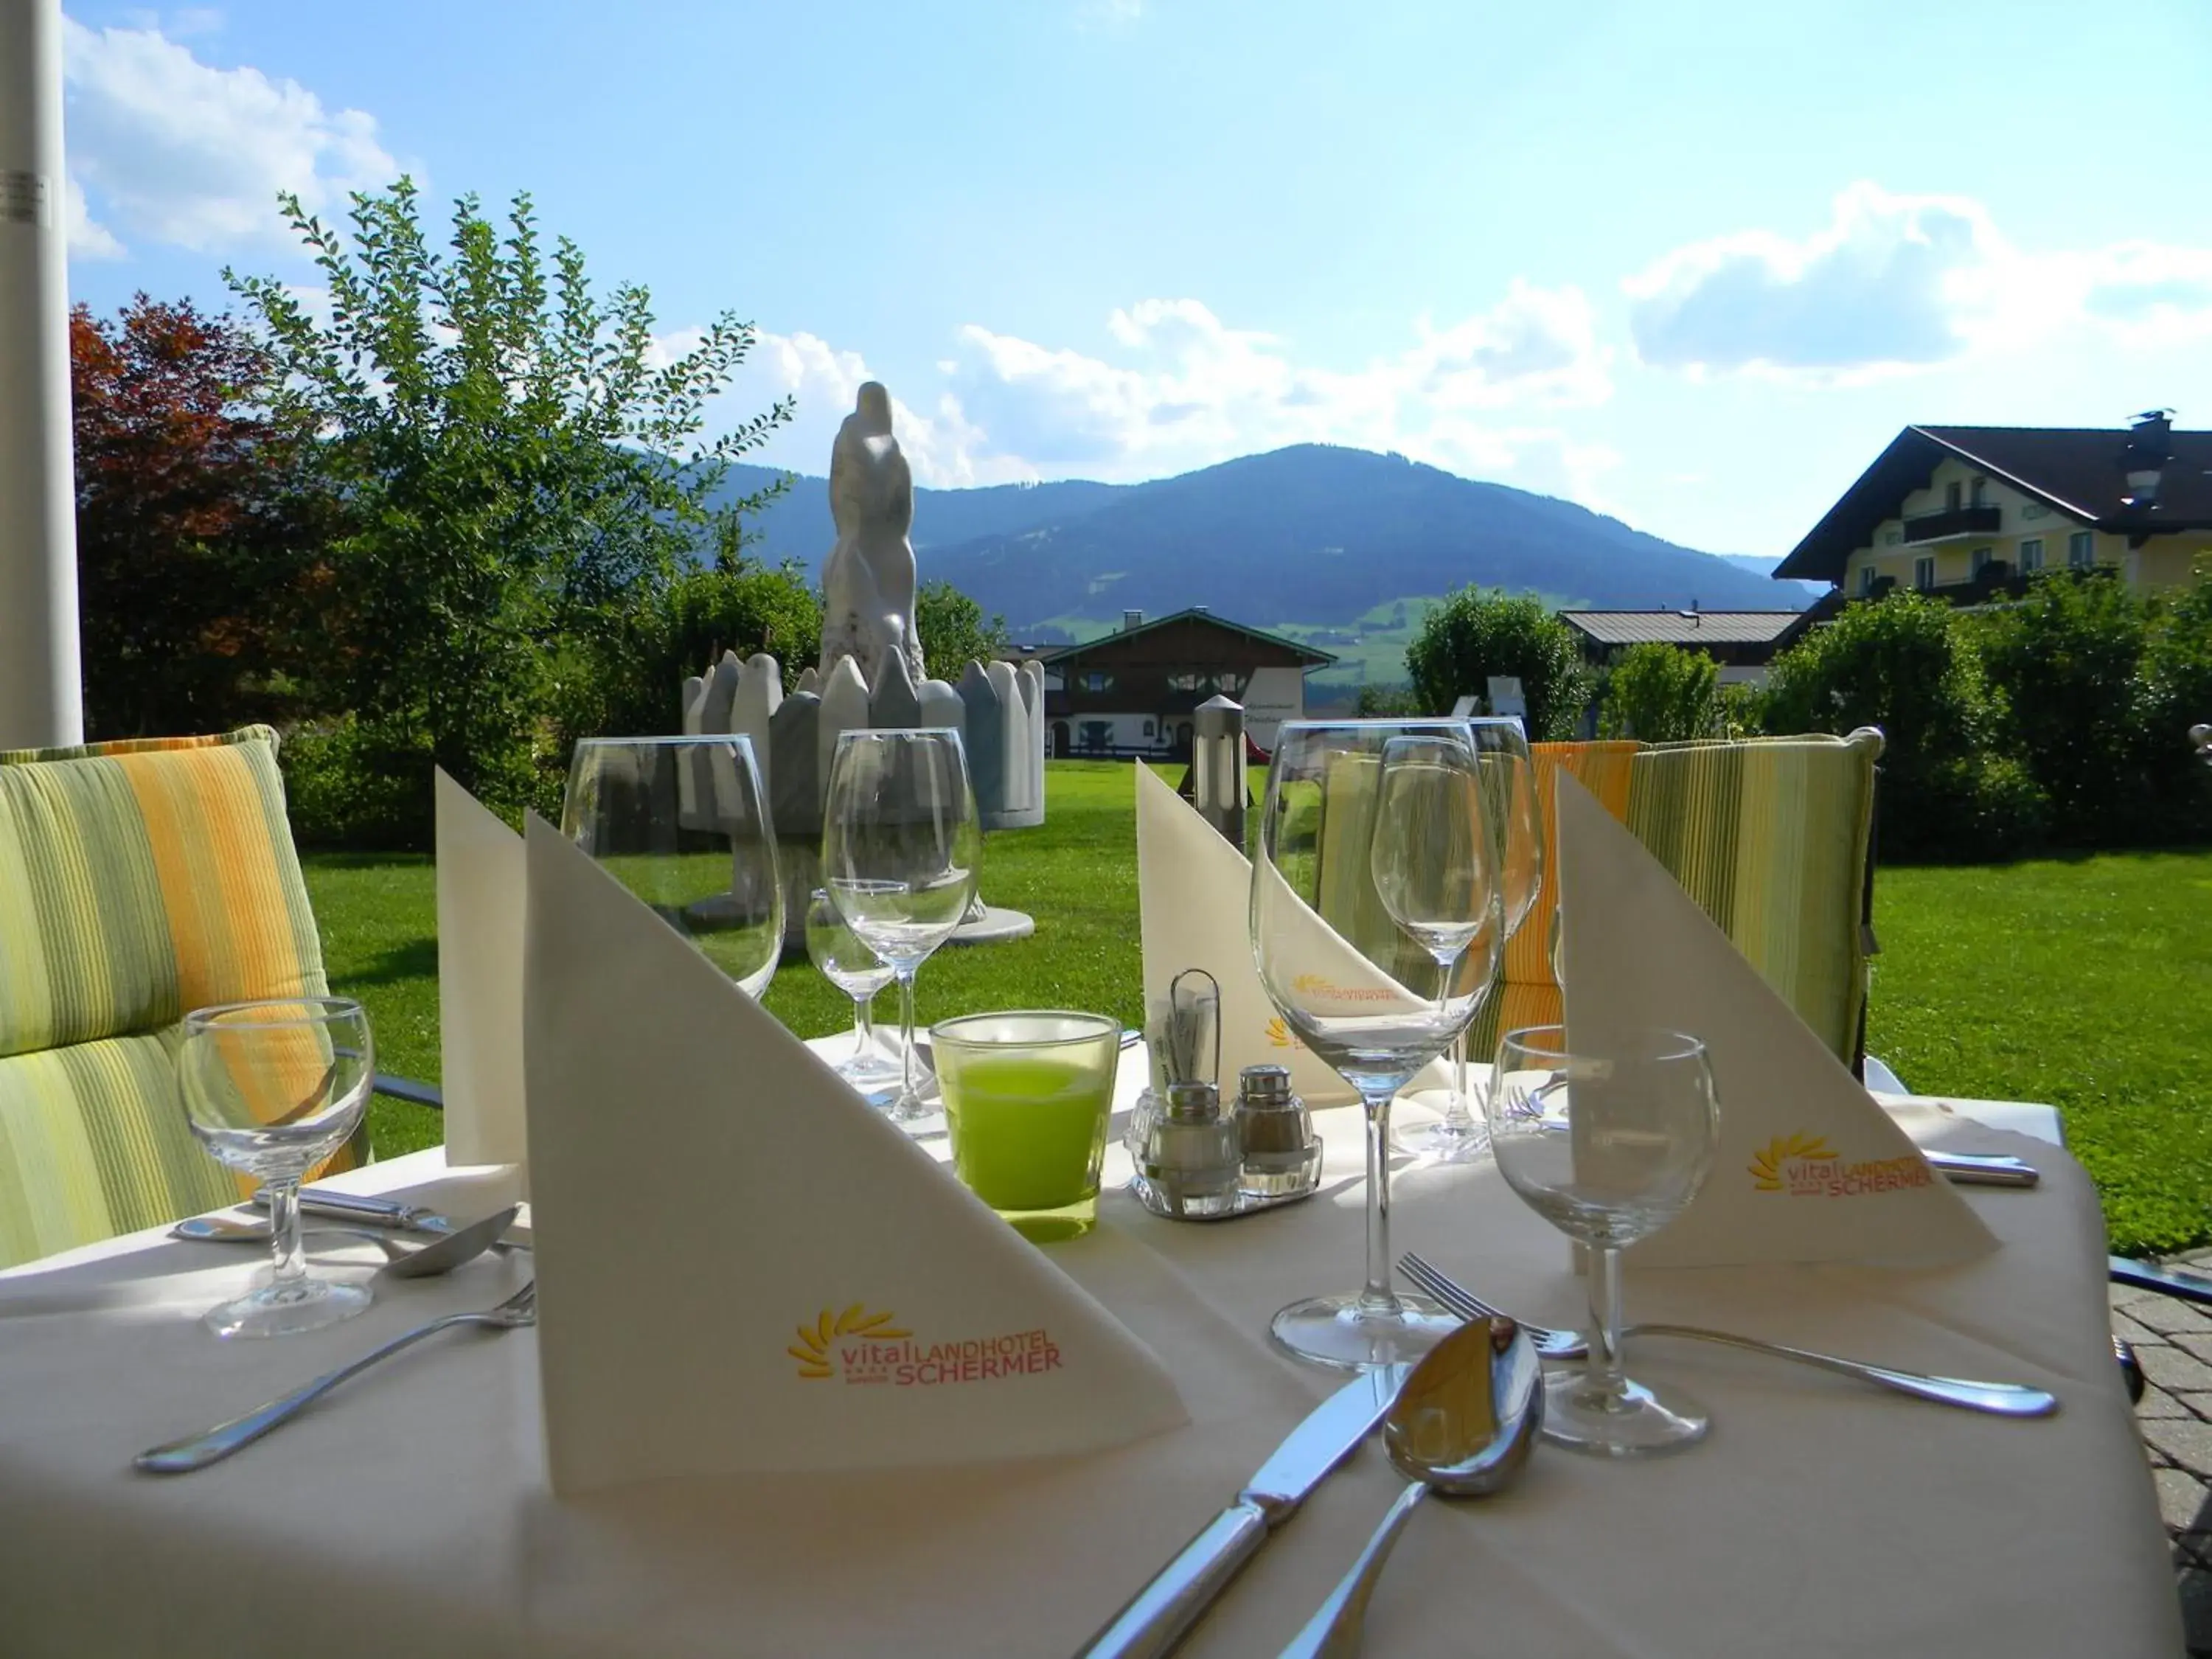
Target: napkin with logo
x: 1810, y: 1168
x: 743, y: 1267
x: 1194, y: 910
x: 482, y: 880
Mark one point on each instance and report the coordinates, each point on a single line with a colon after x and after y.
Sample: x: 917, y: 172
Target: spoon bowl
x: 1463, y: 1425
x: 462, y: 1244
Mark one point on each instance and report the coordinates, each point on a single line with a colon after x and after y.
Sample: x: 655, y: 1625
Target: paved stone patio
x: 2173, y: 1342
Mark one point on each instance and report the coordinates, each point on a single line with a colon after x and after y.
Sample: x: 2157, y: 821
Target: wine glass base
x: 1348, y: 1334
x: 304, y: 1304
x: 1444, y: 1141
x: 1640, y: 1421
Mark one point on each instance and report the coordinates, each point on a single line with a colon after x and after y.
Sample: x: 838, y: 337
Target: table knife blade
x: 1155, y: 1619
x: 368, y: 1211
x: 1984, y: 1168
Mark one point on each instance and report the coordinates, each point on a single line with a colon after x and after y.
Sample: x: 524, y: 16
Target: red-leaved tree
x: 199, y: 527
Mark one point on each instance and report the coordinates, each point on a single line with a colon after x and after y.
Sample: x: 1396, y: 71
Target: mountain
x: 1312, y: 534
x: 1761, y: 564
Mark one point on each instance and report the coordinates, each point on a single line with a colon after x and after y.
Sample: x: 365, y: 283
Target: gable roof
x: 1308, y: 657
x: 2080, y: 470
x: 1682, y: 627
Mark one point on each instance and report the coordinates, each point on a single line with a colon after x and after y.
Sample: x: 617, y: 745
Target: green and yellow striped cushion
x: 1769, y: 835
x: 137, y: 880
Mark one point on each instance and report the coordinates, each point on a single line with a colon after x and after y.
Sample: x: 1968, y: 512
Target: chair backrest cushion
x: 142, y: 878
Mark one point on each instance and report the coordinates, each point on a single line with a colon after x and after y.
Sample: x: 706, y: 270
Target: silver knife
x: 370, y: 1212
x: 1157, y: 1616
x: 1984, y: 1168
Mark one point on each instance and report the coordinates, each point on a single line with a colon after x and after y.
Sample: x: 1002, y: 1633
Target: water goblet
x: 1371, y: 996
x: 1509, y: 791
x: 901, y: 844
x: 683, y: 823
x: 271, y: 1088
x: 847, y: 962
x: 1608, y: 1141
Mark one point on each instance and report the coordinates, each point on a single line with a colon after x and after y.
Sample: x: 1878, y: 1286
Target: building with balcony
x: 1133, y: 692
x: 1968, y: 513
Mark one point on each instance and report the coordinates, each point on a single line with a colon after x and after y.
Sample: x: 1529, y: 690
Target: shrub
x: 2176, y: 695
x: 1475, y: 634
x: 1903, y: 664
x: 1387, y: 701
x: 1660, y: 694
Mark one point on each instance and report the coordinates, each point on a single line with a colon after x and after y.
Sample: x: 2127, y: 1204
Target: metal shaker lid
x: 1193, y: 1101
x: 1266, y: 1088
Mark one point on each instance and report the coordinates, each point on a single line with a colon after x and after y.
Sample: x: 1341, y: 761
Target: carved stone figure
x: 867, y: 582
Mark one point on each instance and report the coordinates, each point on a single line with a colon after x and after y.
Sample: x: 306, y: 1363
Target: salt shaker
x: 1280, y: 1152
x: 1192, y: 1159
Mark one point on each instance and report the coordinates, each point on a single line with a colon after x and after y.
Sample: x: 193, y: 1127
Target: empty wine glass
x: 901, y: 843
x: 1508, y: 794
x: 271, y: 1088
x: 847, y: 962
x: 1334, y: 858
x: 1608, y: 1142
x: 683, y: 823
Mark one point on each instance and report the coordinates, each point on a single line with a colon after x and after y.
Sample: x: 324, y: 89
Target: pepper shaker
x: 1279, y: 1151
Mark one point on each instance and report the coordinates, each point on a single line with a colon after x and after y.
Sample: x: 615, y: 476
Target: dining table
x: 409, y: 1515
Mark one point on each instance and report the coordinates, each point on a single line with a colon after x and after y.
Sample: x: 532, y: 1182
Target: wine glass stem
x: 1459, y: 1112
x: 906, y: 1033
x: 1604, y: 1380
x: 288, y: 1256
x: 864, y: 1023
x: 1378, y: 1298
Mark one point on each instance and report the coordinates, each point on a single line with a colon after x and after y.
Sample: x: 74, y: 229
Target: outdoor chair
x: 139, y: 880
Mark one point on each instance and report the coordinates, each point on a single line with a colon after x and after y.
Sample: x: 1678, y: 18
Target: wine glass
x: 272, y: 1088
x: 1354, y: 985
x: 848, y: 964
x: 1508, y: 794
x: 1608, y: 1142
x: 684, y: 824
x: 901, y: 843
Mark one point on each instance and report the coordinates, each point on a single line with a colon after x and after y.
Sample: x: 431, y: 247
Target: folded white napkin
x: 741, y: 1266
x: 1810, y: 1168
x: 1194, y: 910
x: 482, y: 881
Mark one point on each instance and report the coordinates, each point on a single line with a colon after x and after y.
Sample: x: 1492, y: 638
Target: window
x: 1979, y: 485
x: 1866, y: 580
x: 1951, y: 496
x: 2033, y: 509
x: 2082, y: 550
x: 2031, y: 556
x: 1891, y: 537
x: 1980, y: 561
x: 1924, y: 574
x: 1148, y: 728
x: 1097, y: 680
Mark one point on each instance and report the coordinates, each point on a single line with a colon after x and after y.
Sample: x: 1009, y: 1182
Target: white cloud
x: 1894, y: 283
x: 88, y: 237
x: 178, y: 151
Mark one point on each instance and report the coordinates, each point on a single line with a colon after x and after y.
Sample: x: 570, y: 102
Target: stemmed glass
x: 1354, y: 830
x: 273, y: 1088
x: 901, y: 844
x: 1517, y: 820
x: 848, y: 964
x: 1608, y: 1142
x: 683, y: 823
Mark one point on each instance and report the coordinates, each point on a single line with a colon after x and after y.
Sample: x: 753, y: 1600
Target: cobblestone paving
x: 2173, y: 1342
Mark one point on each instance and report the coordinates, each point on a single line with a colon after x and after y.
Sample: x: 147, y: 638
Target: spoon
x: 447, y: 1253
x: 1462, y: 1426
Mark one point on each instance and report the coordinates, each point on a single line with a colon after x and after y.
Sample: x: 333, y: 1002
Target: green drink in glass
x: 1027, y: 1096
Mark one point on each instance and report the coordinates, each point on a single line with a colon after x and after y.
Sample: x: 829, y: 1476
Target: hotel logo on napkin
x: 867, y: 1348
x: 1809, y: 1169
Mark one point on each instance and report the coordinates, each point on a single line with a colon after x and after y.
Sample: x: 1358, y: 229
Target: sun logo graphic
x: 817, y: 1341
x: 1791, y: 1163
x: 1280, y: 1035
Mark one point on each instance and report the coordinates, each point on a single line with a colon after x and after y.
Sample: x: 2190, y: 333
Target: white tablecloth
x: 409, y: 1515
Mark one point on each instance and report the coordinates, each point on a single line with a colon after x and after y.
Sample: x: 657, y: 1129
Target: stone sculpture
x: 868, y: 581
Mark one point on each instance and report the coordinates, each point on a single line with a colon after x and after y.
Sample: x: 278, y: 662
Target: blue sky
x: 1690, y: 264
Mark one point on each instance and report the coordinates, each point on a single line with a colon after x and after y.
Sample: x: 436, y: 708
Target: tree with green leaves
x: 1661, y: 693
x: 955, y: 632
x: 1477, y: 634
x: 517, y: 465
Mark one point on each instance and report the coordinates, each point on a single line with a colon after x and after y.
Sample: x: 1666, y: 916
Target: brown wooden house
x: 1132, y: 692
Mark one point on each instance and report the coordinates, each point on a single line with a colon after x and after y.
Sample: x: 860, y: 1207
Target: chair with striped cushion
x: 1771, y: 836
x: 137, y: 880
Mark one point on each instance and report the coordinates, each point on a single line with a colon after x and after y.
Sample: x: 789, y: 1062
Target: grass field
x: 2086, y: 983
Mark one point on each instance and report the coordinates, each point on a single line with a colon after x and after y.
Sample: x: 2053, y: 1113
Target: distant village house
x: 1742, y: 641
x: 1133, y: 692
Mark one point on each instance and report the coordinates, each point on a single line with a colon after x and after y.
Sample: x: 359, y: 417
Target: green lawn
x: 2087, y: 983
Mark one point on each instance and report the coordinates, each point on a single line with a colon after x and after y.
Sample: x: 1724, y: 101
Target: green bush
x: 1478, y: 634
x: 1660, y: 694
x: 2176, y: 695
x: 1903, y: 664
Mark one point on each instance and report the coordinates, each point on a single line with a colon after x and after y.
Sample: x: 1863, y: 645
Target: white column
x: 41, y: 699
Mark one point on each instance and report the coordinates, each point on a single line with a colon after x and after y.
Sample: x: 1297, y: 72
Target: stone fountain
x: 868, y: 584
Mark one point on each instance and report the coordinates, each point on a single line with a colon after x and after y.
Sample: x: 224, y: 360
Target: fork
x: 196, y: 1451
x: 1999, y: 1399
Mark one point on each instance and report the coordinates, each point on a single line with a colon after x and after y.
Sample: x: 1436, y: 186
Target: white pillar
x: 41, y: 697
